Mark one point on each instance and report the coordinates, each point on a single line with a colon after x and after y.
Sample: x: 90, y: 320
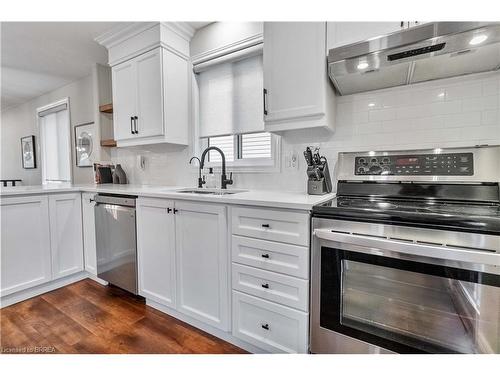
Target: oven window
x: 398, y: 305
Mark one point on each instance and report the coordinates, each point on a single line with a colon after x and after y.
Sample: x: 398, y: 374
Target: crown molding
x: 120, y: 33
x: 183, y: 29
x: 227, y: 49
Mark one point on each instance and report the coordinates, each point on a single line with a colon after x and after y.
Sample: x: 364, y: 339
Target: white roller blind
x: 231, y: 98
x: 55, y: 146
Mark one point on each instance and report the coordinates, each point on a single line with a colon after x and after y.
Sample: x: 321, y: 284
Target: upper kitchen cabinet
x: 151, y: 80
x: 297, y: 91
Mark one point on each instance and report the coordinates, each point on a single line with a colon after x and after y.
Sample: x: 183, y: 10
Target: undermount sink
x: 210, y: 191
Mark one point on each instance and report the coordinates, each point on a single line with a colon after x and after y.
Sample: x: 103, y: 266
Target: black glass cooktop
x: 483, y: 218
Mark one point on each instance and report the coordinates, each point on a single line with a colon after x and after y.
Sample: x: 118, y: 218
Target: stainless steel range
x: 407, y: 257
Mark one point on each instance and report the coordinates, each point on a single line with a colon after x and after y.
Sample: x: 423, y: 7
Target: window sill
x: 270, y: 167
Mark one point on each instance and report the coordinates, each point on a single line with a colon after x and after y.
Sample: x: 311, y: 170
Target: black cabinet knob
x: 169, y: 210
x: 265, y: 256
x: 175, y: 210
x: 265, y: 226
x: 265, y: 326
x: 265, y: 286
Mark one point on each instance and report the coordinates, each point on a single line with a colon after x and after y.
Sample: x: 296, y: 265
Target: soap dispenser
x: 211, y: 182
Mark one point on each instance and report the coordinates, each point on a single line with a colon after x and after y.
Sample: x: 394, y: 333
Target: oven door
x: 373, y: 294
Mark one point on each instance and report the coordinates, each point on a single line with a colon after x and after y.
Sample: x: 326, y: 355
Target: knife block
x: 321, y: 185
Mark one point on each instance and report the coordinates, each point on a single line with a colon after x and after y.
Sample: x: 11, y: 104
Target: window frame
x: 255, y: 165
x: 250, y: 165
x: 41, y: 147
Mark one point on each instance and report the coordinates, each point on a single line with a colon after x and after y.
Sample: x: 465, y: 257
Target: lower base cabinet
x: 66, y: 237
x: 270, y: 326
x: 89, y: 245
x: 25, y: 255
x: 156, y: 250
x: 41, y: 240
x: 183, y: 258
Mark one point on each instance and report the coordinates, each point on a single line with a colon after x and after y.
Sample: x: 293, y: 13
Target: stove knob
x: 361, y: 170
x: 375, y: 169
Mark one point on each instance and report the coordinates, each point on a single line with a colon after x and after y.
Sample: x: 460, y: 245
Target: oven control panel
x: 456, y: 164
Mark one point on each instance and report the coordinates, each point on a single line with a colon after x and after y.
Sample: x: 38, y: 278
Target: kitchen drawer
x: 275, y: 225
x: 269, y: 326
x: 271, y: 256
x: 272, y: 286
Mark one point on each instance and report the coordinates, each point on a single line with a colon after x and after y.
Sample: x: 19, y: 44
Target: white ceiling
x: 38, y: 57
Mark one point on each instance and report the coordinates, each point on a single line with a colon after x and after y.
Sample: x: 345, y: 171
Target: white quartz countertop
x: 265, y: 198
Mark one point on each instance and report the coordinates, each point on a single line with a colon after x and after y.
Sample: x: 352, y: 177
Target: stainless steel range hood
x: 430, y: 51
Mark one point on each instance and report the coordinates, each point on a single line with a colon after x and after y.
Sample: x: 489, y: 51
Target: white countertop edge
x: 262, y: 198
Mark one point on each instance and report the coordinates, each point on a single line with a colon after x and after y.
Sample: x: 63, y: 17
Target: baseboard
x: 41, y: 289
x: 226, y: 336
x: 96, y: 279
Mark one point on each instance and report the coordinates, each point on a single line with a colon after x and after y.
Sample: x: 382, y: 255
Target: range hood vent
x: 423, y: 53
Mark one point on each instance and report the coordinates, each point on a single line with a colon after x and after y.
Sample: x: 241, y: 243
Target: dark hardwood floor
x: 87, y: 317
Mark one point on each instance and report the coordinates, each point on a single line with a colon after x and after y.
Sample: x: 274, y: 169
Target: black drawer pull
x: 265, y: 326
x: 265, y: 226
x: 265, y: 286
x: 169, y: 210
x: 265, y: 256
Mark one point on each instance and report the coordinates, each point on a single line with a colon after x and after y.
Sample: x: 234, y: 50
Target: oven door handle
x: 469, y: 255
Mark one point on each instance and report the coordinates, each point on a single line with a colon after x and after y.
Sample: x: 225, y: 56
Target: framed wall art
x: 84, y: 144
x: 28, y: 153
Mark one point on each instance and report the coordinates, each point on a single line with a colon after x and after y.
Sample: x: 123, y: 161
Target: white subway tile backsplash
x: 382, y: 114
x: 464, y: 91
x: 490, y: 117
x: 429, y: 95
x: 480, y: 103
x: 401, y: 118
x: 360, y: 117
x: 462, y: 119
x: 491, y: 87
x: 369, y: 128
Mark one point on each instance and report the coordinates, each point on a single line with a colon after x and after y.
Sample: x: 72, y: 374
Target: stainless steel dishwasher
x: 116, y: 241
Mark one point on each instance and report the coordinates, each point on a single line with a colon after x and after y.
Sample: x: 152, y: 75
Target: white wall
x: 461, y: 111
x: 22, y: 121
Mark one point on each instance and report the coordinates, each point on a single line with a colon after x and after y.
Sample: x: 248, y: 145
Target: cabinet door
x: 25, y: 254
x: 343, y: 33
x: 66, y: 239
x: 89, y: 247
x: 202, y: 262
x: 124, y: 99
x: 149, y: 114
x: 294, y: 65
x: 156, y: 250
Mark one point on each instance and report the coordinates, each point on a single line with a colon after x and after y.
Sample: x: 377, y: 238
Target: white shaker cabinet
x: 183, y: 258
x: 66, y: 237
x: 156, y: 250
x: 124, y: 99
x: 202, y: 262
x: 89, y: 245
x: 25, y: 243
x: 150, y: 99
x: 297, y: 92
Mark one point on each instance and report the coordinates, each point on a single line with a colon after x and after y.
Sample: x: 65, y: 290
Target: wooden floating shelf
x: 106, y: 108
x: 108, y: 143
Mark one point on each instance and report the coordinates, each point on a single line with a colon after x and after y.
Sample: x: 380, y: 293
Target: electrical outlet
x: 292, y: 160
